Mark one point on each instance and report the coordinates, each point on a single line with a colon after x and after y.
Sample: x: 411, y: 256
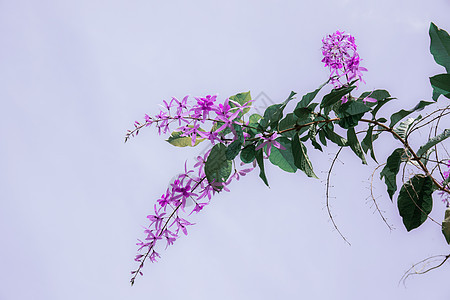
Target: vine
x: 242, y: 143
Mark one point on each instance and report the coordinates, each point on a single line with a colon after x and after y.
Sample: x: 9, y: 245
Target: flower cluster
x: 339, y: 51
x: 192, y: 186
x: 189, y: 117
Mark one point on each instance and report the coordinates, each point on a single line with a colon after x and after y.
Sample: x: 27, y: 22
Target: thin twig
x: 328, y: 197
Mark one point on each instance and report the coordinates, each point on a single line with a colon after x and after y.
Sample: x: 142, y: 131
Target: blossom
x: 340, y: 55
x: 204, y: 106
x: 157, y: 218
x: 181, y: 105
x: 269, y: 141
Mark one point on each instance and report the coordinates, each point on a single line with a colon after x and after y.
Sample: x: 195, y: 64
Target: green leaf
x: 354, y: 144
x: 254, y: 118
x: 248, y: 154
x: 402, y: 129
x: 391, y: 169
x: 415, y: 201
x: 440, y: 46
x: 288, y: 122
x: 367, y: 143
x: 335, y: 95
x: 289, y: 98
x: 403, y: 113
x: 322, y: 137
x: 382, y: 97
x: 217, y: 166
x: 434, y: 141
x: 272, y: 116
x: 241, y: 98
x: 441, y: 85
x: 351, y: 112
x: 283, y: 158
x: 334, y: 137
x: 176, y: 139
x: 301, y: 158
x: 446, y: 226
x: 424, y: 159
x: 239, y: 134
x: 233, y: 149
x: 306, y: 99
x: 260, y: 161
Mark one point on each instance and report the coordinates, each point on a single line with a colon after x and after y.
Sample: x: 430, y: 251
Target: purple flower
x: 269, y: 141
x: 339, y: 51
x: 204, y: 106
x: 181, y: 105
x: 192, y: 131
x: 157, y: 218
x: 165, y: 199
x: 181, y: 224
x: 153, y: 256
x: 170, y: 237
x: 198, y: 207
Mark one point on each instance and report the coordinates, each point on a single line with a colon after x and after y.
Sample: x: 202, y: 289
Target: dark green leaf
x: 354, y: 144
x: 434, y: 141
x: 217, y: 166
x: 302, y: 112
x: 283, y: 158
x: 288, y: 122
x: 238, y: 133
x: 322, y: 137
x: 233, y: 149
x: 415, y: 201
x: 306, y: 99
x: 260, y: 161
x: 248, y: 153
x: 367, y: 143
x: 350, y: 113
x: 289, y: 98
x: 403, y: 113
x: 334, y: 137
x: 301, y: 159
x: 335, y: 95
x: 391, y: 169
x: 440, y: 46
x: 176, y: 139
x: 441, y: 85
x: 272, y: 116
x: 446, y: 226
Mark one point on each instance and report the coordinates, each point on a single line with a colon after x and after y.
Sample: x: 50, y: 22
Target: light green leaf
x: 434, y: 141
x: 176, y: 139
x: 241, y: 98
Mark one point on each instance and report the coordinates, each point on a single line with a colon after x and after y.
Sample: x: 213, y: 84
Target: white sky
x: 74, y: 77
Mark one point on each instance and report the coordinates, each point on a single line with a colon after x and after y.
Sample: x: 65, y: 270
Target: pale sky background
x: 75, y: 75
